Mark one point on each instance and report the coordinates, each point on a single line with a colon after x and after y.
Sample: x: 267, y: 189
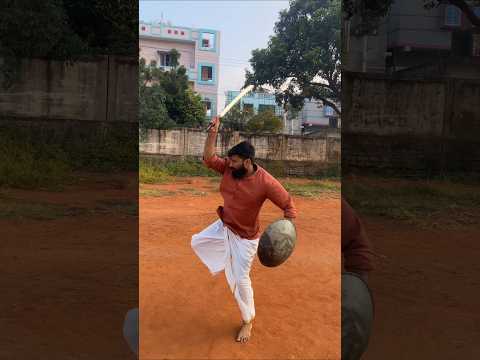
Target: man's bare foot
x: 245, y: 332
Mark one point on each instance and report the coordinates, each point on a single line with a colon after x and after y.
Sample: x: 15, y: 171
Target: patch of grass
x: 152, y: 174
x: 163, y: 171
x: 156, y: 192
x: 15, y: 210
x: 19, y: 209
x: 312, y: 189
x: 124, y: 207
x: 112, y: 150
x: 27, y: 165
x: 42, y: 155
x: 423, y: 203
x: 161, y: 193
x: 193, y: 192
x: 187, y: 168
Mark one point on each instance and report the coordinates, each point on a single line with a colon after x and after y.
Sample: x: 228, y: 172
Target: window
x: 476, y: 10
x: 165, y: 59
x: 169, y: 31
x: 208, y: 107
x: 183, y: 33
x: 333, y: 122
x: 206, y: 73
x: 208, y: 40
x: 328, y: 111
x: 453, y: 16
x: 263, y: 107
x: 176, y: 32
x: 143, y: 28
x: 248, y: 108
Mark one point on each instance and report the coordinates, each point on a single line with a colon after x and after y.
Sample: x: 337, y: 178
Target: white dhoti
x: 219, y: 249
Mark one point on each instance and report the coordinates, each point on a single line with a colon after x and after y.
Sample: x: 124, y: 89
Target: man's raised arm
x: 210, y: 143
x: 209, y: 157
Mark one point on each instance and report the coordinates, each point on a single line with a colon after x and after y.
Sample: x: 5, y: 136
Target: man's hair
x: 245, y: 150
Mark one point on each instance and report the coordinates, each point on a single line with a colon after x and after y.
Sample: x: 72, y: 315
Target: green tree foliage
x: 236, y: 119
x: 166, y: 101
x: 302, y: 59
x: 65, y: 30
x: 265, y: 122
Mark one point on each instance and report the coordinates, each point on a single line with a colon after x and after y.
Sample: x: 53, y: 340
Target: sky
x: 244, y: 25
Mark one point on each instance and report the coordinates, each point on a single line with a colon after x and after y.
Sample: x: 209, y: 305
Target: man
x: 357, y: 312
x: 357, y: 251
x: 230, y: 243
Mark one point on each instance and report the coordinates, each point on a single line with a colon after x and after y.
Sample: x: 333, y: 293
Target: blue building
x: 255, y: 101
x: 312, y: 116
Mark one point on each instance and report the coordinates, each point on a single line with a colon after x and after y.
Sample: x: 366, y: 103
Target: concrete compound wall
x: 299, y: 155
x: 417, y: 126
x: 93, y: 89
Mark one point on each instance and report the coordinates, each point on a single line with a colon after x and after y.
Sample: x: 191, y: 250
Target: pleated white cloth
x: 219, y: 248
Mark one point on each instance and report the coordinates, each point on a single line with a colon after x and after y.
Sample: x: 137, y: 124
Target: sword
x: 232, y: 103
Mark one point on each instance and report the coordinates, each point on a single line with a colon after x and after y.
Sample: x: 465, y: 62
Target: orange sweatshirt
x: 356, y: 247
x: 243, y: 198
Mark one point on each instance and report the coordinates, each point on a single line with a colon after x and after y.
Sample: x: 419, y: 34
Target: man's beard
x: 239, y: 173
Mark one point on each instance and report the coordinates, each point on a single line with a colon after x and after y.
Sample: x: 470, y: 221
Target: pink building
x: 199, y: 50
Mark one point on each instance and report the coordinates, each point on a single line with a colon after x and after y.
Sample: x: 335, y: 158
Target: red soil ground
x: 187, y: 314
x: 68, y: 282
x: 427, y: 292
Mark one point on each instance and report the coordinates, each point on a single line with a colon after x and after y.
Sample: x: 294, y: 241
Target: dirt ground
x: 427, y: 291
x: 69, y: 270
x: 187, y: 314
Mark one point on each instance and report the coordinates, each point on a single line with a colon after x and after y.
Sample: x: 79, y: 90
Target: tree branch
x: 467, y: 10
x: 331, y: 104
x: 325, y: 86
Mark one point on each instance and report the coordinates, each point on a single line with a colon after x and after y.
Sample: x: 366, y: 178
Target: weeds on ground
x: 313, y: 188
x: 431, y: 203
x: 11, y: 208
x: 42, y: 158
x: 161, y: 192
x: 151, y: 174
x: 27, y: 166
x: 187, y: 167
x: 160, y: 172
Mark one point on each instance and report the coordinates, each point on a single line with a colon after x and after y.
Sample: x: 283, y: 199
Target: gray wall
x: 94, y: 89
x: 423, y: 127
x: 298, y: 155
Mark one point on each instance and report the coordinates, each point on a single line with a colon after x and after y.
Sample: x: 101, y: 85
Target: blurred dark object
x: 357, y: 316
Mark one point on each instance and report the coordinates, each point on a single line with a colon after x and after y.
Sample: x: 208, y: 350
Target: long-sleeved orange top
x: 357, y: 250
x: 243, y: 198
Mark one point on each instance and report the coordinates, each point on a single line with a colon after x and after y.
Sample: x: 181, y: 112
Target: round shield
x: 130, y: 329
x: 357, y: 316
x: 277, y: 243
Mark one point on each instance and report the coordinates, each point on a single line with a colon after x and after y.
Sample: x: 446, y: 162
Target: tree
x: 265, y: 122
x: 65, y: 30
x: 302, y: 59
x: 166, y: 101
x: 370, y: 12
x: 191, y: 110
x: 236, y: 119
x: 153, y: 113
